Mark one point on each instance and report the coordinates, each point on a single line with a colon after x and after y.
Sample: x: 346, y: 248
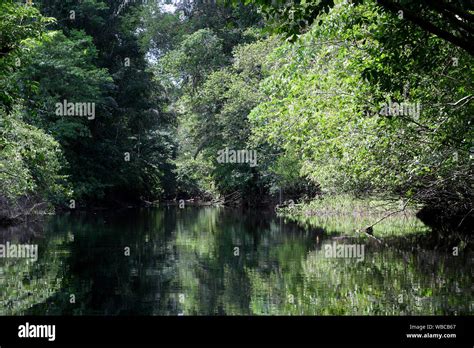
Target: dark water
x: 214, y: 261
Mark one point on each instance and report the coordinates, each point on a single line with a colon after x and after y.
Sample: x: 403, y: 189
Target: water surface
x: 219, y: 261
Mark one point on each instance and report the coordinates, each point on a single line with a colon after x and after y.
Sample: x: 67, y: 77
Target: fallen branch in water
x: 465, y: 216
x: 369, y: 229
x: 13, y: 218
x: 388, y: 215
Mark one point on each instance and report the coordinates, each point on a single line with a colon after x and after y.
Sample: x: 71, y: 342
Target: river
x: 221, y: 261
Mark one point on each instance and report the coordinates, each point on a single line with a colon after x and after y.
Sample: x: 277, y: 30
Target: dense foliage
x: 85, y: 53
x: 367, y: 98
x: 329, y: 98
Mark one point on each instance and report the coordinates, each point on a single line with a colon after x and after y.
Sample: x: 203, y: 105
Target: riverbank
x: 347, y: 204
x: 387, y: 221
x: 360, y: 216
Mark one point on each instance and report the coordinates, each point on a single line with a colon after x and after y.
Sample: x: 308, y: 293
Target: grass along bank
x: 356, y: 217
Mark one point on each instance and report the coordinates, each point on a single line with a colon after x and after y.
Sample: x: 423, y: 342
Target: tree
x: 449, y: 20
x: 122, y: 154
x: 327, y: 102
x: 31, y: 163
x: 196, y: 56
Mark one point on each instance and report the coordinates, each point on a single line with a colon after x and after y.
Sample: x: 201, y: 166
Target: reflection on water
x: 215, y: 261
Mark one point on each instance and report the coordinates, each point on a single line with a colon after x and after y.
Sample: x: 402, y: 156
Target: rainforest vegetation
x: 361, y: 98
